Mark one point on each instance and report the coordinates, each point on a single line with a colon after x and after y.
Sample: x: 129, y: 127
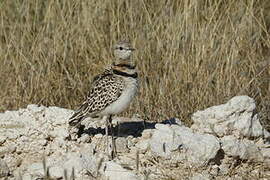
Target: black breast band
x: 121, y: 73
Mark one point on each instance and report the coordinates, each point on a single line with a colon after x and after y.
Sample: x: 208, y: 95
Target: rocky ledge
x: 225, y: 142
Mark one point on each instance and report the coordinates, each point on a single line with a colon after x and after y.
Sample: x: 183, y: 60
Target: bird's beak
x: 132, y: 49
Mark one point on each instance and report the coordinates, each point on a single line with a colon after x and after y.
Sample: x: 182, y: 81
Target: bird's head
x: 123, y: 50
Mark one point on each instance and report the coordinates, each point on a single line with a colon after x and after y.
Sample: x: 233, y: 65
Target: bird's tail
x: 74, y: 120
x: 79, y: 114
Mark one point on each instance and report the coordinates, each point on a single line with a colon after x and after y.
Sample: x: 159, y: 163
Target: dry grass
x: 191, y: 54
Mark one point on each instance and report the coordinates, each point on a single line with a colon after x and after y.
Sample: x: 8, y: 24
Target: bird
x: 111, y: 91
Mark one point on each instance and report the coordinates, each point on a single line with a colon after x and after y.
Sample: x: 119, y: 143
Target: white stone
x: 121, y: 144
x: 36, y: 169
x: 11, y: 148
x: 114, y: 171
x: 2, y: 139
x: 98, y: 136
x: 147, y: 133
x: 163, y: 127
x: 89, y: 160
x: 143, y: 145
x: 25, y: 176
x: 199, y: 148
x: 244, y: 149
x: 4, y: 170
x: 214, y: 170
x: 85, y: 138
x: 12, y: 162
x: 38, y: 131
x: 59, y: 132
x: 56, y: 172
x: 198, y: 176
x: 74, y: 161
x: 224, y: 168
x: 57, y: 116
x: 266, y: 154
x: 235, y: 117
x: 164, y: 140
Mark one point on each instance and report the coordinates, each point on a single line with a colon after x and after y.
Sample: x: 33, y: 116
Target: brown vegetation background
x: 191, y: 54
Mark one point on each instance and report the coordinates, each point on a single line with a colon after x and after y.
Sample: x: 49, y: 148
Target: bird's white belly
x: 123, y: 101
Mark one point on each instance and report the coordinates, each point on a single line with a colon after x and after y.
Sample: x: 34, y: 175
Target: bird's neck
x: 126, y: 63
x: 124, y: 69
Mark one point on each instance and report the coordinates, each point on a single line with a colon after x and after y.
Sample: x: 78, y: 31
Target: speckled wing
x: 106, y: 88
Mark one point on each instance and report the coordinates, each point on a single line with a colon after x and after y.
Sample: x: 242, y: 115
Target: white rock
x: 25, y: 176
x: 85, y: 138
x: 2, y: 139
x: 224, y: 168
x: 56, y: 172
x: 114, y: 171
x: 121, y: 144
x: 42, y: 142
x: 4, y: 170
x: 163, y: 127
x: 57, y: 116
x: 198, y: 176
x: 74, y: 161
x: 199, y: 148
x: 12, y: 162
x: 244, y: 149
x: 143, y: 145
x: 59, y: 132
x: 266, y: 154
x: 164, y: 141
x: 98, y: 136
x: 11, y: 148
x: 89, y: 160
x: 235, y: 117
x: 35, y: 108
x: 36, y: 169
x: 214, y: 170
x: 147, y: 133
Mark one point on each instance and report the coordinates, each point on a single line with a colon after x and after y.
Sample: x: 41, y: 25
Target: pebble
x: 4, y: 170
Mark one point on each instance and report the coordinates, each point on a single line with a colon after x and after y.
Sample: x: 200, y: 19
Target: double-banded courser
x: 111, y: 91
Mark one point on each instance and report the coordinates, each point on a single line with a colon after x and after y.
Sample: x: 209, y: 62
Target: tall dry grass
x: 191, y: 54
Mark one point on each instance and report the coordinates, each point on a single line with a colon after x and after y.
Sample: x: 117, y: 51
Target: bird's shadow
x: 124, y: 129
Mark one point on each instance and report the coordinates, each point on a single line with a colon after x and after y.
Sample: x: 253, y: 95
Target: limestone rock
x: 114, y: 171
x: 236, y: 117
x: 164, y: 141
x: 198, y: 176
x: 121, y: 144
x: 143, y: 145
x: 36, y: 169
x: 4, y: 170
x: 266, y: 154
x: 30, y: 134
x: 199, y: 148
x: 244, y: 149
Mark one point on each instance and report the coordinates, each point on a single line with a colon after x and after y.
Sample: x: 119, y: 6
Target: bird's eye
x: 121, y: 48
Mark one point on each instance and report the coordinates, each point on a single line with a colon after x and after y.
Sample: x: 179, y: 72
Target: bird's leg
x: 106, y: 132
x: 113, y: 153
